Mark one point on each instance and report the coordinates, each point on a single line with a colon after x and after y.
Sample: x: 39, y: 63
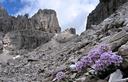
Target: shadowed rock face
x: 104, y: 9
x: 25, y: 39
x: 44, y: 20
x: 22, y: 32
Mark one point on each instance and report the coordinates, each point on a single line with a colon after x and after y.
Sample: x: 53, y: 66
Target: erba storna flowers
x: 59, y: 76
x: 99, y: 59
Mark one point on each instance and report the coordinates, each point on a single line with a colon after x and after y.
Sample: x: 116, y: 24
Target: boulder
x: 115, y: 40
x: 65, y: 36
x: 123, y: 50
x: 71, y: 30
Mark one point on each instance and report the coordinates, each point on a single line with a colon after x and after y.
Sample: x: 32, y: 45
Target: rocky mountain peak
x: 46, y: 11
x: 46, y: 20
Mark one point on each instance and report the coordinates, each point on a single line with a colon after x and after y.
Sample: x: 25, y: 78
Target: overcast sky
x: 70, y: 13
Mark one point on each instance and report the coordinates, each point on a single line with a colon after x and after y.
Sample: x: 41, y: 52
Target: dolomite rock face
x: 103, y: 10
x: 44, y: 20
x: 25, y: 39
x: 22, y: 32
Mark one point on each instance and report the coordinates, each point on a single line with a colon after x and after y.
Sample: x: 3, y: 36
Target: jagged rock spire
x: 46, y: 20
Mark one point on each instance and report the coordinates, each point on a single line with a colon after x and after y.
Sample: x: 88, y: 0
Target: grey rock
x: 71, y: 30
x: 123, y: 50
x: 82, y: 79
x: 115, y: 37
x: 116, y: 44
x: 25, y: 39
x: 44, y: 20
x: 4, y: 57
x: 116, y: 40
x: 103, y: 10
x: 65, y: 36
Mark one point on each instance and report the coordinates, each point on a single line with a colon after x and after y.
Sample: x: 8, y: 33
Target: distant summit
x: 46, y: 11
x: 44, y: 20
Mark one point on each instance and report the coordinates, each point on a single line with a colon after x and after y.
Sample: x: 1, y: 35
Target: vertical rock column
x: 46, y: 20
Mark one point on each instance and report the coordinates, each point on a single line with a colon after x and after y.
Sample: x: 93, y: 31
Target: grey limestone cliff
x: 44, y: 20
x: 103, y: 10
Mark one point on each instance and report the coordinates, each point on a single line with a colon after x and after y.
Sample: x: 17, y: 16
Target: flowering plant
x: 100, y: 59
x: 59, y: 76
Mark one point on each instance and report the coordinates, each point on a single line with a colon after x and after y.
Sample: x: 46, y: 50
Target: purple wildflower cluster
x: 99, y: 59
x: 60, y: 75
